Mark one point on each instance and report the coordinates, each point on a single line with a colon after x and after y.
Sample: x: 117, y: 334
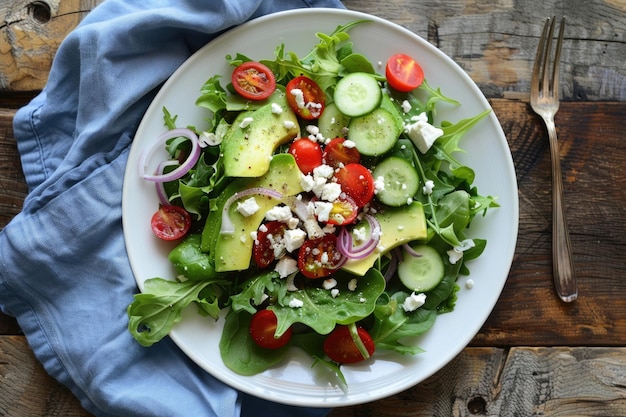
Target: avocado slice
x: 232, y: 252
x: 398, y: 226
x: 250, y: 142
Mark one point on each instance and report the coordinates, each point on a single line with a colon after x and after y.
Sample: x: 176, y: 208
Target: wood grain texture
x: 30, y: 33
x: 27, y: 391
x: 522, y: 381
x: 495, y: 41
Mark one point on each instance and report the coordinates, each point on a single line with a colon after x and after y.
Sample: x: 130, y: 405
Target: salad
x: 322, y: 208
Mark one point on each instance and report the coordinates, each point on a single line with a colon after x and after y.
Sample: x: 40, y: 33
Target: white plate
x: 294, y: 382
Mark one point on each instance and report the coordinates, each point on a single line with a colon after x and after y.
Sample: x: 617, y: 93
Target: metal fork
x: 544, y: 99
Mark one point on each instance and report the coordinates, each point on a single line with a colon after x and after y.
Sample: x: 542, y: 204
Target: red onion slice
x: 189, y: 163
x: 346, y: 246
x: 408, y: 249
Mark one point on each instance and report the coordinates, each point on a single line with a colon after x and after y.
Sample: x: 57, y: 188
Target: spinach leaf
x: 393, y: 323
x: 240, y: 353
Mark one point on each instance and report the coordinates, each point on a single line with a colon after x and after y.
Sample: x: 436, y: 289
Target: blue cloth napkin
x: 64, y: 272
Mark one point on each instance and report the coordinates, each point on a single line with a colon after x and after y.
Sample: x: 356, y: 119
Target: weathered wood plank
x: 26, y: 388
x: 529, y: 313
x: 30, y: 33
x: 551, y: 382
x: 495, y: 42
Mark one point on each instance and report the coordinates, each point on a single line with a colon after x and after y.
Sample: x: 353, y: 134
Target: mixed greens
x: 379, y: 295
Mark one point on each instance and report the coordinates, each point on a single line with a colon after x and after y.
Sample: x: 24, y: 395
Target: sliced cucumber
x: 421, y: 273
x: 357, y: 93
x: 333, y: 123
x: 375, y: 133
x: 400, y: 178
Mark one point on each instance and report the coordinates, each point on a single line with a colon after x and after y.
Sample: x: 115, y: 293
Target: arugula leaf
x: 153, y: 313
x: 321, y: 311
x: 213, y: 97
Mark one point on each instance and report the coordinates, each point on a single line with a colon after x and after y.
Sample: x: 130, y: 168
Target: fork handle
x: 562, y: 262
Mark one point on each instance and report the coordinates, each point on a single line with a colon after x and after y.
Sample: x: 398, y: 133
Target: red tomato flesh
x: 337, y: 154
x: 170, y: 222
x: 357, y: 182
x: 305, y: 97
x: 263, y: 329
x: 253, y: 81
x: 318, y: 258
x: 403, y: 73
x: 308, y: 154
x: 263, y: 251
x: 340, y: 347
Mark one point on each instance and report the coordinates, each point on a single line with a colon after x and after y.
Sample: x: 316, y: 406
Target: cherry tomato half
x: 253, y: 81
x: 263, y: 250
x: 340, y: 347
x: 170, y: 222
x: 308, y: 154
x: 403, y: 73
x: 357, y: 182
x: 344, y: 211
x: 337, y: 154
x: 305, y: 97
x: 318, y: 258
x: 263, y: 329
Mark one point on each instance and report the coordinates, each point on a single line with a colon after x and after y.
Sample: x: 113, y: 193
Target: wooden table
x: 535, y: 355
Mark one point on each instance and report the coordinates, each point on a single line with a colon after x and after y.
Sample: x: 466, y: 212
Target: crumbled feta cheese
x: 289, y: 282
x: 295, y: 303
x: 307, y: 182
x: 413, y: 302
x: 428, y: 187
x: 360, y: 234
x: 313, y: 130
x: 299, y: 96
x: 293, y: 239
x: 263, y: 228
x: 246, y: 122
x: 334, y: 292
x: 406, y: 106
x: 329, y: 283
x: 254, y: 235
x: 322, y: 210
x: 209, y: 139
x: 293, y: 222
x: 280, y: 213
x: 454, y: 256
x: 456, y: 253
x: 288, y: 124
x: 469, y: 284
x: 379, y: 184
x: 349, y: 144
x: 330, y: 191
x: 276, y: 108
x: 422, y: 133
x: 286, y: 266
x: 323, y: 171
x: 352, y: 284
x: 247, y: 207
